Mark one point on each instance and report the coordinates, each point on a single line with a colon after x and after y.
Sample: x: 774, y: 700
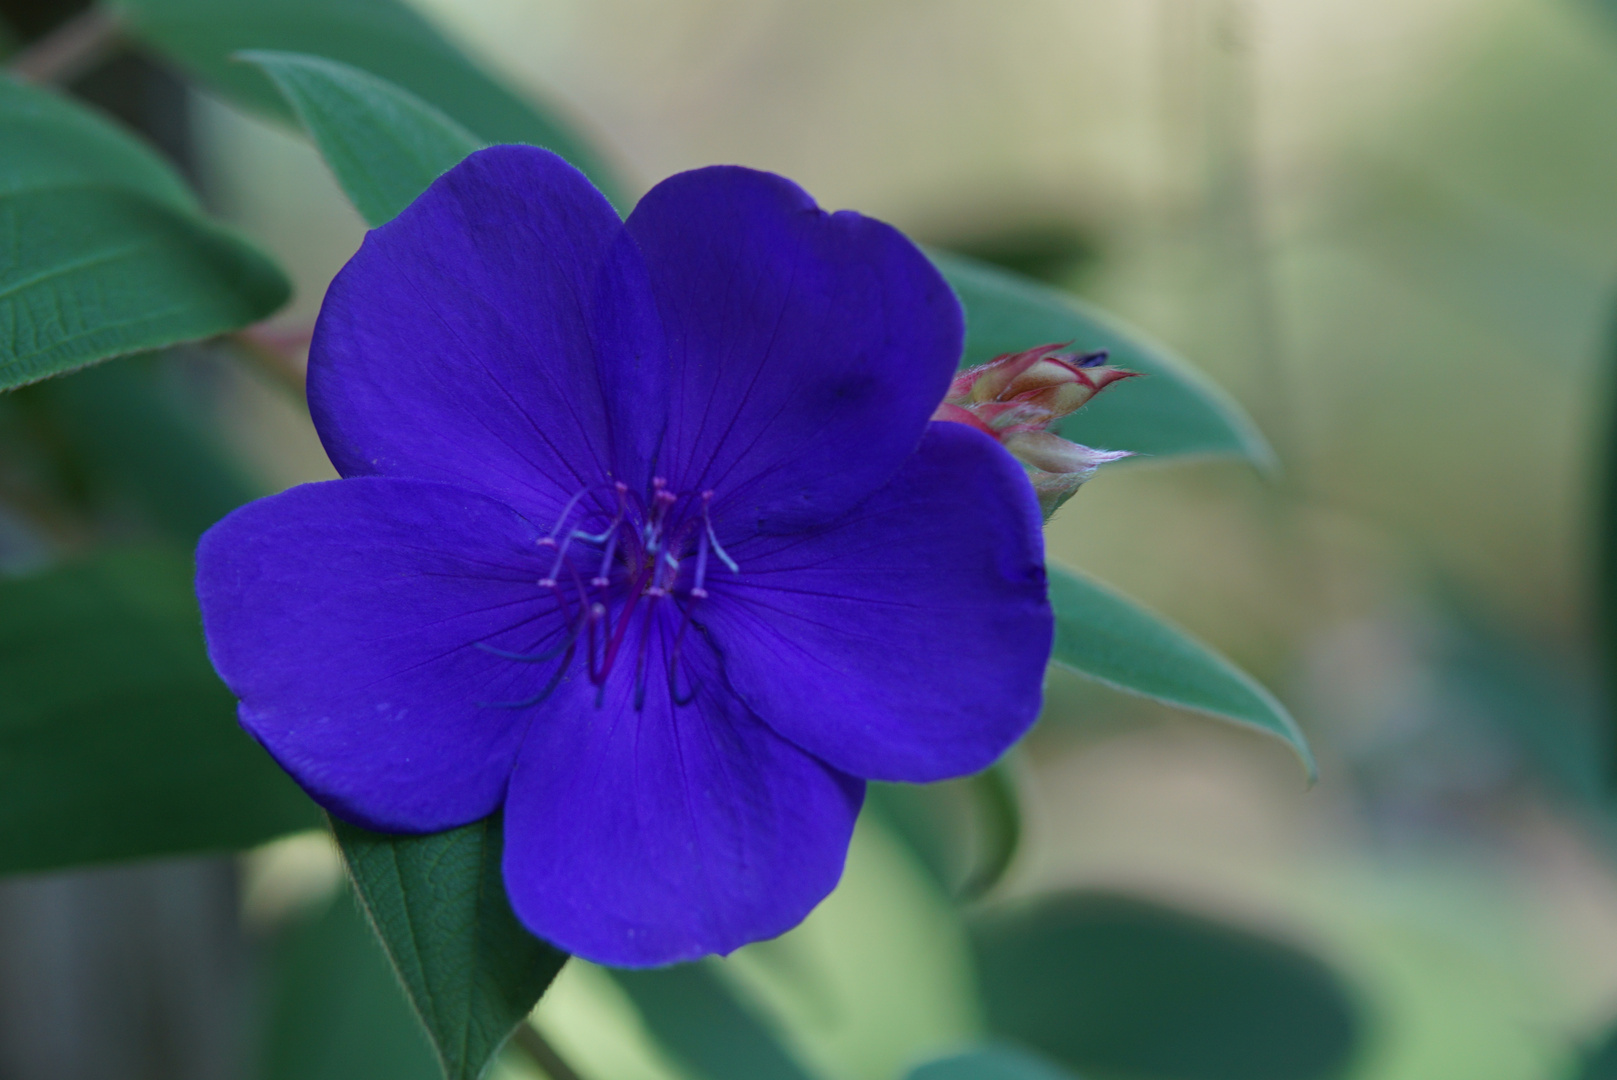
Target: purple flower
x: 645, y: 537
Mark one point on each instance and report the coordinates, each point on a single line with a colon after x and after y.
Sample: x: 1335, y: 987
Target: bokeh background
x: 1389, y: 228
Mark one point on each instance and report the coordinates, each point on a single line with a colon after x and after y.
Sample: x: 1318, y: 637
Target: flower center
x: 622, y: 568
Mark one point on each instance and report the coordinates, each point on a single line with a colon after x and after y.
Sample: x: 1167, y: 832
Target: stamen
x: 566, y: 512
x: 529, y: 658
x: 673, y: 684
x: 603, y: 577
x: 549, y: 580
x: 591, y: 621
x: 718, y: 548
x: 697, y: 590
x: 641, y: 657
x: 662, y: 584
x: 675, y: 655
x: 643, y: 549
x: 550, y: 688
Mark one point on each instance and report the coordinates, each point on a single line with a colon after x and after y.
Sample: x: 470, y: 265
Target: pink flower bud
x: 1015, y: 398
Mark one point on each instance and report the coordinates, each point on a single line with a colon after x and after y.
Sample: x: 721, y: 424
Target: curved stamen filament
x: 530, y: 658
x: 641, y: 544
x: 592, y: 619
x: 613, y: 643
x: 549, y: 580
x: 642, y: 655
x: 698, y: 588
x: 550, y: 687
x: 603, y: 577
x: 675, y: 655
x: 712, y: 537
x: 566, y: 513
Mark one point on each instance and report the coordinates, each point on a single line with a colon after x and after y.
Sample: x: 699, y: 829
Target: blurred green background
x: 1389, y: 227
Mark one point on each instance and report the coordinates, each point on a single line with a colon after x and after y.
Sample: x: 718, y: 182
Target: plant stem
x: 541, y: 1053
x: 70, y: 50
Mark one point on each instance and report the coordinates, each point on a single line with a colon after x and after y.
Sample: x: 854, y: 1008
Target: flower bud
x: 1015, y: 398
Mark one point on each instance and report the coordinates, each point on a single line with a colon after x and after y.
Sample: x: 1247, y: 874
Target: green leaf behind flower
x: 117, y: 741
x: 990, y: 1063
x: 132, y: 437
x: 51, y: 143
x: 334, y: 1011
x: 699, y: 1020
x: 1175, y: 412
x: 1122, y: 986
x: 384, y: 144
x: 966, y: 832
x: 380, y: 36
x: 1109, y: 638
x: 107, y: 252
x: 438, y: 903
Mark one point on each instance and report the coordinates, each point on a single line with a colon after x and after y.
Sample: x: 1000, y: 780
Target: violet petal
x: 498, y: 334
x: 807, y: 349
x: 644, y: 837
x: 346, y: 617
x: 908, y: 641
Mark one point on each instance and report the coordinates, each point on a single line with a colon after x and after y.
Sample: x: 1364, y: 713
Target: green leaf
x: 1109, y: 638
x: 1599, y: 1060
x: 116, y: 739
x: 98, y: 273
x: 383, y: 37
x: 1523, y: 688
x: 51, y: 143
x: 990, y: 1063
x: 966, y: 832
x: 438, y: 903
x: 1175, y: 411
x: 1121, y: 986
x: 702, y: 1023
x: 384, y: 145
x: 106, y: 253
x: 335, y: 1008
x: 127, y: 431
x: 998, y: 799
x: 878, y: 977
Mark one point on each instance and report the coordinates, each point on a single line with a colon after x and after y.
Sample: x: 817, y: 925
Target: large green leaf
x: 134, y: 440
x: 700, y: 1021
x: 335, y: 1011
x: 50, y: 143
x: 1120, y: 986
x: 990, y: 1063
x: 384, y: 145
x: 1175, y: 411
x: 98, y: 273
x: 1109, y: 638
x: 106, y: 254
x: 384, y: 37
x: 1599, y: 1060
x: 438, y: 903
x: 116, y: 739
